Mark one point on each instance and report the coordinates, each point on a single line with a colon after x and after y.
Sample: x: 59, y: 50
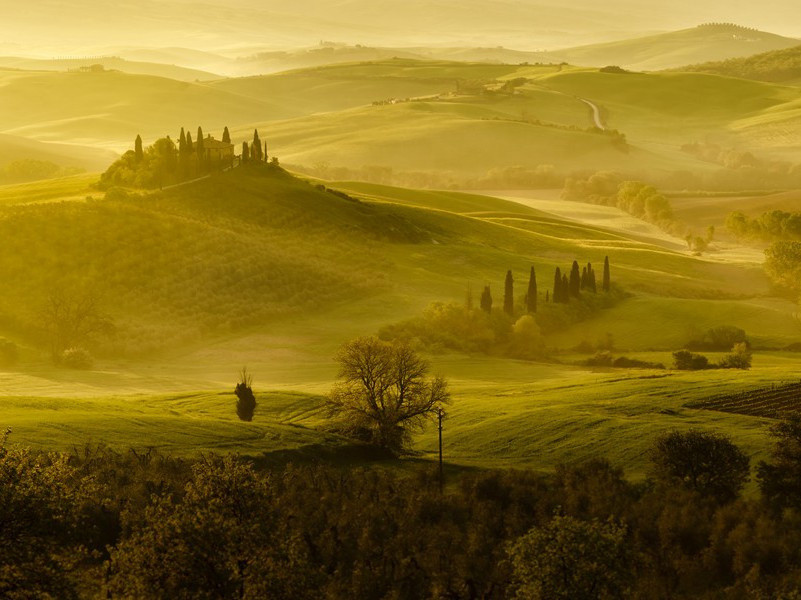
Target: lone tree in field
x: 705, y: 462
x: 226, y: 136
x: 531, y: 296
x: 509, y: 294
x: 607, y: 278
x: 245, y: 400
x: 73, y: 320
x: 138, y: 151
x: 384, y: 392
x: 486, y: 300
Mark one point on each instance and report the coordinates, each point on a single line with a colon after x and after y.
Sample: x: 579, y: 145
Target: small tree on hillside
x: 486, y: 300
x: 138, y: 151
x: 245, y: 400
x: 705, y: 462
x: 509, y: 295
x: 531, y: 296
x: 384, y: 392
x: 607, y: 277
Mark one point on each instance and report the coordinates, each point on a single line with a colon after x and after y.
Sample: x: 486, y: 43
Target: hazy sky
x: 50, y: 27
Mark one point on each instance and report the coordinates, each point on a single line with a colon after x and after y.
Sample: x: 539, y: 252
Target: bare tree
x: 385, y: 393
x: 72, y: 320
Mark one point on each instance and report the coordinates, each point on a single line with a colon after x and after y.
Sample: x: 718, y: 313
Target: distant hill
x: 109, y: 63
x: 14, y: 148
x: 709, y: 42
x: 778, y: 66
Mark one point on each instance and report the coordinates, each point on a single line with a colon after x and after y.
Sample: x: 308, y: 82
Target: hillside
x: 14, y: 148
x: 778, y: 66
x: 256, y: 267
x: 673, y: 49
x: 110, y: 63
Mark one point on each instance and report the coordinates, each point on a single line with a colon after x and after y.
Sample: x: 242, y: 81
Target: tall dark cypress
x: 557, y: 286
x: 255, y: 147
x: 607, y: 277
x: 264, y: 155
x: 575, y: 280
x: 226, y: 136
x: 591, y: 284
x: 584, y: 278
x: 201, y: 154
x: 531, y: 296
x: 486, y: 300
x: 565, y: 289
x: 140, y: 154
x: 509, y: 294
x: 182, y: 143
x: 189, y: 145
x: 245, y: 152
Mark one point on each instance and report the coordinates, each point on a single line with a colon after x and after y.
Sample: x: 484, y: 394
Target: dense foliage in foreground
x: 102, y: 524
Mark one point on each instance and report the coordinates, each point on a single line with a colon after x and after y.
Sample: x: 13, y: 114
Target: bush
x: 740, y: 358
x: 684, y: 360
x: 77, y: 358
x: 245, y: 400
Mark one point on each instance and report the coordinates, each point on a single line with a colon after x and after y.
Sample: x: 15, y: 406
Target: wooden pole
x: 440, y: 415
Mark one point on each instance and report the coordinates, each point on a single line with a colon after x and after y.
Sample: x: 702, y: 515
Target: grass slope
x: 13, y: 148
x: 777, y: 66
x: 111, y: 63
x: 673, y: 49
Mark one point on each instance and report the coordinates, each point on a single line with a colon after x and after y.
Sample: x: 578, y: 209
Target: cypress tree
x: 226, y: 137
x: 531, y: 297
x: 245, y: 152
x: 140, y: 154
x: 486, y: 300
x: 265, y: 151
x: 591, y: 285
x: 607, y: 278
x: 255, y: 147
x: 189, y: 145
x: 557, y: 286
x: 584, y: 278
x: 182, y: 143
x: 565, y: 291
x: 547, y: 296
x: 199, y: 144
x: 575, y: 280
x: 509, y: 295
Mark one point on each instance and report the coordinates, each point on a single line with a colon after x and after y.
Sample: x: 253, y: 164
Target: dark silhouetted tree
x: 591, y: 283
x: 607, y: 276
x: 575, y: 280
x: 245, y: 152
x: 255, y: 146
x: 531, y: 296
x: 189, y: 144
x: 565, y: 290
x: 384, y: 392
x: 182, y: 144
x: 780, y: 480
x: 557, y: 286
x: 226, y: 136
x: 199, y: 146
x: 509, y: 295
x: 245, y: 400
x: 585, y: 278
x: 140, y: 153
x: 486, y: 300
x: 704, y: 462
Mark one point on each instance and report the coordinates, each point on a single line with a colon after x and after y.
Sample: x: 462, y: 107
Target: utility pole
x: 440, y: 416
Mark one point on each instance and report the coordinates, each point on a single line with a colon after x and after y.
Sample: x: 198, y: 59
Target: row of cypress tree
x: 564, y: 288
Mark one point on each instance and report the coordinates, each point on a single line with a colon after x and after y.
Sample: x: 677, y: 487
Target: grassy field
x: 255, y: 267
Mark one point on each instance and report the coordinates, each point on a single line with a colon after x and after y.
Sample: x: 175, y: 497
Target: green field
x: 256, y: 267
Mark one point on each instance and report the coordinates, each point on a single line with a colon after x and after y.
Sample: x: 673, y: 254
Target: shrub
x: 740, y: 358
x: 684, y: 360
x: 245, y: 400
x: 718, y: 338
x: 77, y: 358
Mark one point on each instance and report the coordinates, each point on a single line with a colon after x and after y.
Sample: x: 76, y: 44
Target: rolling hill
x: 110, y: 63
x: 777, y: 66
x: 709, y: 42
x: 13, y: 148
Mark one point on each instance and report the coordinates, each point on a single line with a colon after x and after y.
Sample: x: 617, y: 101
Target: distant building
x: 215, y: 150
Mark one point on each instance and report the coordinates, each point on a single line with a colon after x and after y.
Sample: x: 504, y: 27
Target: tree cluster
x: 570, y: 287
x: 771, y: 226
x: 739, y: 358
x: 140, y: 525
